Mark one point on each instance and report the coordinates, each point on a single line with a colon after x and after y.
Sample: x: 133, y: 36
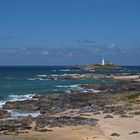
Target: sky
x: 69, y: 32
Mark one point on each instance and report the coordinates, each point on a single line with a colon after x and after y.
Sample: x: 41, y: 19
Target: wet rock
x: 95, y: 86
x: 27, y: 105
x: 51, y: 104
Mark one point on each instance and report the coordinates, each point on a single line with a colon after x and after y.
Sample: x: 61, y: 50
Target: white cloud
x: 70, y: 54
x: 111, y: 46
x: 45, y: 52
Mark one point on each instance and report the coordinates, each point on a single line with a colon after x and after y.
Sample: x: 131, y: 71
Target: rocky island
x: 89, y: 67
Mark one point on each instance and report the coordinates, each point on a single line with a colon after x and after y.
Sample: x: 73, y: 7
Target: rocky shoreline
x: 119, y: 97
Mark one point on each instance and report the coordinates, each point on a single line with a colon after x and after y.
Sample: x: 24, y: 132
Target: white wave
x: 67, y: 91
x: 55, y: 90
x: 42, y: 75
x: 16, y: 113
x: 65, y: 74
x: 41, y: 78
x: 91, y: 90
x: 67, y: 86
x: 92, y: 70
x: 94, y: 91
x: 54, y: 75
x: 21, y: 97
x: 73, y: 74
x: 122, y: 70
x: 32, y: 79
x: 2, y: 103
x: 65, y: 70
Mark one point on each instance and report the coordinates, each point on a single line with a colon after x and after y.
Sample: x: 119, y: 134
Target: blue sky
x: 66, y: 32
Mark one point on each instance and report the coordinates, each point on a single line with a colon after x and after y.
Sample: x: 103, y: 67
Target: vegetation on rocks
x: 96, y: 67
x: 101, y: 67
x: 133, y: 96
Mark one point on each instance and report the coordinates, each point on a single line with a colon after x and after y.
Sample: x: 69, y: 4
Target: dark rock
x: 42, y: 130
x: 76, y: 67
x: 95, y: 86
x: 126, y: 116
x: 27, y: 105
x: 86, y: 109
x: 97, y: 113
x: 137, y: 113
x: 43, y: 121
x: 14, y: 125
x: 108, y: 116
x: 115, y: 134
x: 134, y: 132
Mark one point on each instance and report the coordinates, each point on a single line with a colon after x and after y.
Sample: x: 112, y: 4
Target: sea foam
x: 20, y: 97
x: 2, y: 103
x: 67, y: 86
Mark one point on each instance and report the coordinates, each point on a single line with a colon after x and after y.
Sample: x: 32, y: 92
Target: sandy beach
x: 122, y: 128
x: 127, y: 77
x: 115, y: 128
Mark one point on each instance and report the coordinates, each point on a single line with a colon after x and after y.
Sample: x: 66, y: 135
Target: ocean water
x: 20, y: 83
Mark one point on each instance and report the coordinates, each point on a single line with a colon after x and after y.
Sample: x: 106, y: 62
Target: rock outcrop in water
x: 74, y: 77
x: 95, y: 67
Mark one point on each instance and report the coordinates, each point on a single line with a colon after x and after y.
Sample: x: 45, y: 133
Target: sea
x: 19, y: 83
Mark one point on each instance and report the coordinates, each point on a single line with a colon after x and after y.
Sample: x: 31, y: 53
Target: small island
x: 105, y: 65
x: 101, y: 67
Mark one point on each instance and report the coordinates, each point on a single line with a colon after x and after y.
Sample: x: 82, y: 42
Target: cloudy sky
x: 66, y: 32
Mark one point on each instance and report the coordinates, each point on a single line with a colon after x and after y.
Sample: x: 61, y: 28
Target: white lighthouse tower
x: 103, y: 62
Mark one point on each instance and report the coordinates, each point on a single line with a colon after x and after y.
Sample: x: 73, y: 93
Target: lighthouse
x: 103, y: 62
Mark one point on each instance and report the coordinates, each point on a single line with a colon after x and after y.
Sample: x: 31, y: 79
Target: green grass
x: 133, y: 96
